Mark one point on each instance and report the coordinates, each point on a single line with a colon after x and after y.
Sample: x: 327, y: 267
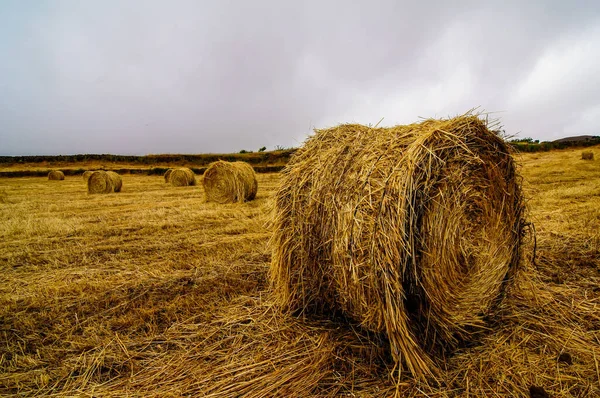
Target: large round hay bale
x: 167, y: 175
x: 587, y: 155
x: 104, y: 182
x: 87, y: 174
x: 229, y: 182
x: 182, y: 177
x: 56, y: 175
x: 413, y: 231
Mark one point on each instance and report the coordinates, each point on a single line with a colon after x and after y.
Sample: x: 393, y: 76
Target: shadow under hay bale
x: 56, y: 175
x: 104, y: 182
x: 230, y: 182
x: 182, y: 177
x: 414, y: 231
x: 587, y: 155
x: 167, y: 175
x: 87, y: 174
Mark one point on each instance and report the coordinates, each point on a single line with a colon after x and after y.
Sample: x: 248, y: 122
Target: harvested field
x: 155, y: 293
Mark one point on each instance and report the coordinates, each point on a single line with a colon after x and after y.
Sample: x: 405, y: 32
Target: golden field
x: 152, y: 292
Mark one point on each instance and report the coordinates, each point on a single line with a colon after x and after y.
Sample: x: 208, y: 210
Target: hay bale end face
x: 587, y: 155
x: 104, y: 182
x: 229, y: 182
x: 167, y: 175
x: 413, y: 231
x: 182, y: 177
x: 87, y: 174
x: 56, y: 175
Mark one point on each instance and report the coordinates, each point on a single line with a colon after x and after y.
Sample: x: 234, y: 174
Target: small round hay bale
x: 182, y: 177
x: 588, y: 155
x: 413, y: 231
x: 56, y: 175
x: 104, y: 182
x: 167, y: 175
x: 229, y: 182
x: 87, y: 174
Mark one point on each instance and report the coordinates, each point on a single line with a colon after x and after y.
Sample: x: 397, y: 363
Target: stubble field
x: 152, y: 292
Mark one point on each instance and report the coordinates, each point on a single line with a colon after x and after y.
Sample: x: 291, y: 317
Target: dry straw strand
x: 56, y: 175
x: 413, y: 231
x: 167, y: 175
x: 104, y: 182
x: 230, y: 182
x: 588, y: 155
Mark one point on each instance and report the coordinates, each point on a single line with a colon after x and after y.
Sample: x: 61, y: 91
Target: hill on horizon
x: 578, y: 138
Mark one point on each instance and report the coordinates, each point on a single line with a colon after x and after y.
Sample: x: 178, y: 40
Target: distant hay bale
x: 587, y: 155
x: 182, y: 177
x: 56, y: 175
x: 87, y: 174
x: 414, y: 231
x: 229, y: 182
x: 104, y: 182
x: 167, y: 175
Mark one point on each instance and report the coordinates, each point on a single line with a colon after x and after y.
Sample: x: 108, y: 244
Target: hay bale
x: 229, y: 182
x: 104, y: 182
x: 167, y: 175
x: 413, y: 231
x: 182, y: 177
x: 587, y: 155
x: 87, y: 174
x: 56, y: 175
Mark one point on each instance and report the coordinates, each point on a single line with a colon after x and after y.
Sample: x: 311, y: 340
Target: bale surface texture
x: 587, y: 155
x: 229, y: 182
x: 182, y: 177
x: 104, y: 182
x: 413, y: 231
x: 87, y: 174
x: 56, y: 175
x: 168, y: 175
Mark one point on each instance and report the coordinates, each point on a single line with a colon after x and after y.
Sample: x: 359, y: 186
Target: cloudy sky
x: 194, y: 76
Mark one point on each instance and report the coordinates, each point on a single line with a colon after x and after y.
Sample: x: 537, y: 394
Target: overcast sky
x: 192, y: 76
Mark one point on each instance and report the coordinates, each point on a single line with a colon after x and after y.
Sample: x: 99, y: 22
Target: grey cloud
x: 218, y: 76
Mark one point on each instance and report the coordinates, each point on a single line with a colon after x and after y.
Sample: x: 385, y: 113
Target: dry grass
x: 587, y: 155
x: 56, y: 175
x: 155, y: 293
x: 229, y: 182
